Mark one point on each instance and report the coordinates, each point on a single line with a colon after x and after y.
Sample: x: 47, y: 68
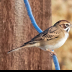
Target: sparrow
x: 50, y: 39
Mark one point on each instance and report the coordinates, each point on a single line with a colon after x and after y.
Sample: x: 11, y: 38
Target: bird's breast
x: 58, y: 44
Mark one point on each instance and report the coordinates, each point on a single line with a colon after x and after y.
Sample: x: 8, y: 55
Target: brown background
x: 16, y: 28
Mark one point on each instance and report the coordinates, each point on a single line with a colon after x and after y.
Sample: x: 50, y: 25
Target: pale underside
x: 54, y: 45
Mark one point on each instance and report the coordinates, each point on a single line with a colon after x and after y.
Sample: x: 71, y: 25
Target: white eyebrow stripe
x: 67, y: 23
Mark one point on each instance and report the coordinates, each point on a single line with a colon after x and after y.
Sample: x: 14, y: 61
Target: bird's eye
x: 67, y: 25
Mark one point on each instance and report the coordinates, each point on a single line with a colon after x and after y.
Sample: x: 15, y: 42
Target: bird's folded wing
x: 48, y: 34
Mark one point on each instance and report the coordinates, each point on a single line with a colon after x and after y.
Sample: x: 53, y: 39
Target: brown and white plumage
x: 53, y: 37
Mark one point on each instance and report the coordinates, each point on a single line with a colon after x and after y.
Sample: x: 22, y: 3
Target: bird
x: 50, y: 39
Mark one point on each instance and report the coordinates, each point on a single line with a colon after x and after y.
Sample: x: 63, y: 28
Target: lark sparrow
x: 50, y: 39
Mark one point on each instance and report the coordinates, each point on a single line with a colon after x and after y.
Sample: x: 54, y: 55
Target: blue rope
x: 31, y: 16
x: 57, y: 67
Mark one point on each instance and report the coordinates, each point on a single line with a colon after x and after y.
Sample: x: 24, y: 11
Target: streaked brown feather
x: 47, y: 35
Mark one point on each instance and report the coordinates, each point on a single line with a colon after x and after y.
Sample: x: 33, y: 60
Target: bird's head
x: 63, y: 24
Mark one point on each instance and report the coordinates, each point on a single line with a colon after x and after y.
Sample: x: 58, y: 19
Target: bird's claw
x: 53, y: 53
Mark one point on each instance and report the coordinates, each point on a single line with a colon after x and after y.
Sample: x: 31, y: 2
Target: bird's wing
x: 48, y: 34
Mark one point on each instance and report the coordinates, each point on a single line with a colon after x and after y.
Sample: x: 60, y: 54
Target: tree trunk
x: 16, y: 29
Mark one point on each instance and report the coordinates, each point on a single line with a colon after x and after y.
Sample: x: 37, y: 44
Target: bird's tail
x: 16, y: 49
x: 27, y: 44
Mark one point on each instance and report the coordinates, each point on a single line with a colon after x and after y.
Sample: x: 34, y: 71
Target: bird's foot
x: 52, y: 53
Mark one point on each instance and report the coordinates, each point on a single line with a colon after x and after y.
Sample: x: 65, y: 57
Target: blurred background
x: 62, y: 10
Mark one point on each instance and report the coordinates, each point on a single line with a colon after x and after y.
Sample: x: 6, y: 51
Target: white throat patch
x: 67, y: 29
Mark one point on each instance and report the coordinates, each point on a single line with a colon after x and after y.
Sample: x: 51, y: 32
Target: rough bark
x: 16, y: 28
